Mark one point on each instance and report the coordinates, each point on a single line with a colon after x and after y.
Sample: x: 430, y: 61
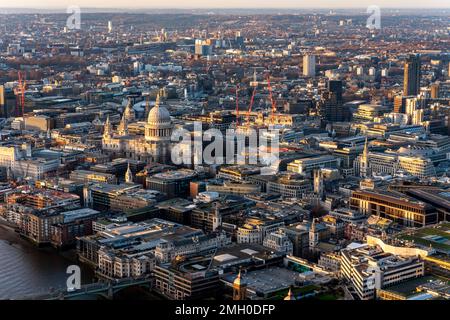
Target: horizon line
x: 226, y: 8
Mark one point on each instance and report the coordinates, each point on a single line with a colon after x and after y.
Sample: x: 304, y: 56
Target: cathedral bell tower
x: 129, y: 112
x: 239, y: 288
x: 107, y: 131
x: 123, y: 126
x: 364, y: 170
x: 128, y: 175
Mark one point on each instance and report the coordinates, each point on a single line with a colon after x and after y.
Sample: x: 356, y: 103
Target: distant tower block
x: 411, y: 81
x: 309, y: 66
x: 239, y: 288
x: 110, y: 26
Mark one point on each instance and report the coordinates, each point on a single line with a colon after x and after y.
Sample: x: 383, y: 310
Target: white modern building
x: 368, y: 268
x: 309, y: 66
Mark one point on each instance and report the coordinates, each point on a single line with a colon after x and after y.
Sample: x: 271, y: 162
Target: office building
x: 369, y: 269
x: 255, y: 230
x: 306, y: 166
x: 333, y: 110
x: 411, y: 78
x: 172, y: 183
x: 187, y: 280
x: 394, y: 206
x: 335, y: 86
x: 86, y: 176
x: 309, y: 66
x: 279, y: 241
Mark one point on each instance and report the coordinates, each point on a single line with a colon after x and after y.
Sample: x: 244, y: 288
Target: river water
x: 26, y: 270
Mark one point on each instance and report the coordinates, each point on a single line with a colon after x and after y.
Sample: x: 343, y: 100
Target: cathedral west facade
x: 154, y: 146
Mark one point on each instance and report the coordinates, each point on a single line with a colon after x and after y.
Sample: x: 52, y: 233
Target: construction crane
x: 20, y: 94
x: 274, y: 107
x: 22, y: 84
x: 250, y: 108
x: 237, y: 105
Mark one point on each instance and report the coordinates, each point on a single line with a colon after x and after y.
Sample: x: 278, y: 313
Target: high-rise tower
x: 411, y: 81
x: 309, y: 66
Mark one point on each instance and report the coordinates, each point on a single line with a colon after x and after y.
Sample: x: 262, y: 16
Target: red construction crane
x: 250, y: 108
x: 274, y: 107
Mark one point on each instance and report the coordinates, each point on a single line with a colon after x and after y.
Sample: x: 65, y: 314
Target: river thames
x: 26, y: 270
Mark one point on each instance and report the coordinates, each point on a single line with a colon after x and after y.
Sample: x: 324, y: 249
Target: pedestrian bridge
x: 105, y: 289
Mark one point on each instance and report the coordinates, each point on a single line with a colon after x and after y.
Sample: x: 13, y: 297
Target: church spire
x: 366, y: 149
x: 129, y: 112
x: 107, y: 132
x: 128, y: 175
x: 123, y: 126
x: 158, y: 100
x: 290, y: 295
x: 239, y: 288
x: 364, y: 161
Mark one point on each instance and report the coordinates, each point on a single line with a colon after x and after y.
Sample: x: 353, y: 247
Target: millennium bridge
x: 104, y: 289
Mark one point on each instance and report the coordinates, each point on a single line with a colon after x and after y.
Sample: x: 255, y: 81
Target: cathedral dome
x: 158, y: 115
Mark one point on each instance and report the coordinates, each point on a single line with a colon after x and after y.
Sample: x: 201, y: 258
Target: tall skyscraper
x: 2, y: 101
x: 309, y: 66
x: 335, y: 86
x: 239, y: 40
x: 411, y: 81
x: 110, y: 26
x: 399, y: 104
x: 202, y: 47
x: 332, y: 109
x: 2, y: 95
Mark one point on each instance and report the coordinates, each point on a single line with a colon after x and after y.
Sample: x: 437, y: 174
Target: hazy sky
x: 224, y: 3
